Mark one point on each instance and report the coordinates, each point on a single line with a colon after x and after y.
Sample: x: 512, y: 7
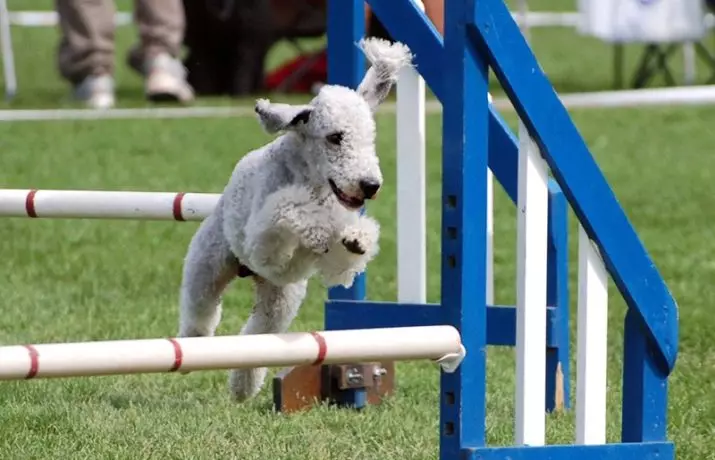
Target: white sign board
x: 643, y: 21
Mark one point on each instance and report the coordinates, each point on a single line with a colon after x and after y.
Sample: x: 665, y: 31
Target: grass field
x: 91, y: 280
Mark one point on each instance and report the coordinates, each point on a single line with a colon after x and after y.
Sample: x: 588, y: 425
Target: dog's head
x: 338, y: 126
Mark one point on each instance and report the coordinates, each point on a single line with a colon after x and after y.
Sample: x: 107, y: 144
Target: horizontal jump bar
x: 439, y: 343
x: 94, y: 204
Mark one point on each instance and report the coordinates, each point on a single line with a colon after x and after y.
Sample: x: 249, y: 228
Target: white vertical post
x: 689, y: 69
x: 532, y: 220
x: 411, y: 189
x: 592, y: 347
x: 490, y: 237
x: 490, y: 230
x: 8, y: 58
x: 523, y: 9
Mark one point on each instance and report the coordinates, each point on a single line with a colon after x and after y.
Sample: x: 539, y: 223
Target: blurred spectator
x: 86, y: 49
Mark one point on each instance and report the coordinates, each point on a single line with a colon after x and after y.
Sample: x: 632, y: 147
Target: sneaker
x: 96, y: 91
x: 166, y: 80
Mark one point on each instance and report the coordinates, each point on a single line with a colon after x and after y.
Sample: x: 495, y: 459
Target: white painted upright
x: 532, y: 220
x: 411, y: 187
x: 689, y: 63
x: 490, y: 229
x: 490, y: 237
x: 592, y: 347
x: 8, y: 56
x: 523, y: 17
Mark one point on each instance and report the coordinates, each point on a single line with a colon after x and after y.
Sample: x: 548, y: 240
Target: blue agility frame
x: 482, y: 35
x: 348, y: 308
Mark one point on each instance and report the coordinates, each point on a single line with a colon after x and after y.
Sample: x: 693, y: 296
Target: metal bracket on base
x: 353, y: 384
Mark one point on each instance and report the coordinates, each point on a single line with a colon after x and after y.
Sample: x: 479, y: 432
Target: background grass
x: 91, y: 280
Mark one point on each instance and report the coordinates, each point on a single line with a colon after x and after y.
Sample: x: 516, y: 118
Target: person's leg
x: 161, y: 25
x: 86, y: 49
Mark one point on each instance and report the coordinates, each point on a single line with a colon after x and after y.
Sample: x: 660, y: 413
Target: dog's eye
x: 335, y: 138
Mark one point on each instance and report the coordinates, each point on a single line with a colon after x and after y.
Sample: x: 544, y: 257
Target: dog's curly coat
x: 291, y: 209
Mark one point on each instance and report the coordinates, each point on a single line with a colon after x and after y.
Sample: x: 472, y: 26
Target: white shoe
x: 96, y: 91
x: 166, y: 80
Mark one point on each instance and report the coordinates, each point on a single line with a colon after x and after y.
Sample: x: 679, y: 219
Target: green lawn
x: 90, y: 280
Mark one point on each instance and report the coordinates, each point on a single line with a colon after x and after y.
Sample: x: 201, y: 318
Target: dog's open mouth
x: 347, y: 200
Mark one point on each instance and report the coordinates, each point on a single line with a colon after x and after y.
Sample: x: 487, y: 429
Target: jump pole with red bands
x: 96, y: 204
x: 117, y: 357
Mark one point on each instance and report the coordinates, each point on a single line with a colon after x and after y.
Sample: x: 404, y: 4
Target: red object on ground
x: 300, y: 74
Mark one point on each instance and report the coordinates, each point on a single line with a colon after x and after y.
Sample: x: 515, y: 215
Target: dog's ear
x: 387, y: 60
x: 275, y: 117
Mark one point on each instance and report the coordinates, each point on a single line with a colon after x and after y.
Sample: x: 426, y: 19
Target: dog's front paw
x: 354, y: 245
x: 362, y: 238
x: 318, y: 239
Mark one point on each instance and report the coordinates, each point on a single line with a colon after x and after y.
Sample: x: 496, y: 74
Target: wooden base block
x: 297, y: 388
x: 300, y: 387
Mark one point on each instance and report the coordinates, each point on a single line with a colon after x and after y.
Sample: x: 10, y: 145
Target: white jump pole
x: 439, y: 343
x: 592, y: 332
x: 653, y: 97
x: 648, y: 97
x: 532, y: 225
x: 411, y: 188
x: 51, y: 18
x: 92, y: 204
x: 31, y: 18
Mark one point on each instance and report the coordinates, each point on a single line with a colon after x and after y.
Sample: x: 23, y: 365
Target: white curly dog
x: 291, y: 209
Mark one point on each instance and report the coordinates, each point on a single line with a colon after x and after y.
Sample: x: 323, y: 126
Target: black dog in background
x: 228, y: 40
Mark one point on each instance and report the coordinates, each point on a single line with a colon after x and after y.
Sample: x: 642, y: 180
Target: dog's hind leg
x: 274, y: 311
x: 209, y: 267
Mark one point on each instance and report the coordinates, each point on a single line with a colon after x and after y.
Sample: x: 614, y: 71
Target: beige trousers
x: 87, y: 34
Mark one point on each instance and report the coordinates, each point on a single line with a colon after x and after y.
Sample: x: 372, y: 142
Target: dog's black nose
x: 369, y: 188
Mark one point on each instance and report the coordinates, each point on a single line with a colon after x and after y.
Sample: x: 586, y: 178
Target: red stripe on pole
x: 34, y: 361
x: 322, y: 348
x: 178, y: 355
x: 30, y: 203
x: 177, y: 206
